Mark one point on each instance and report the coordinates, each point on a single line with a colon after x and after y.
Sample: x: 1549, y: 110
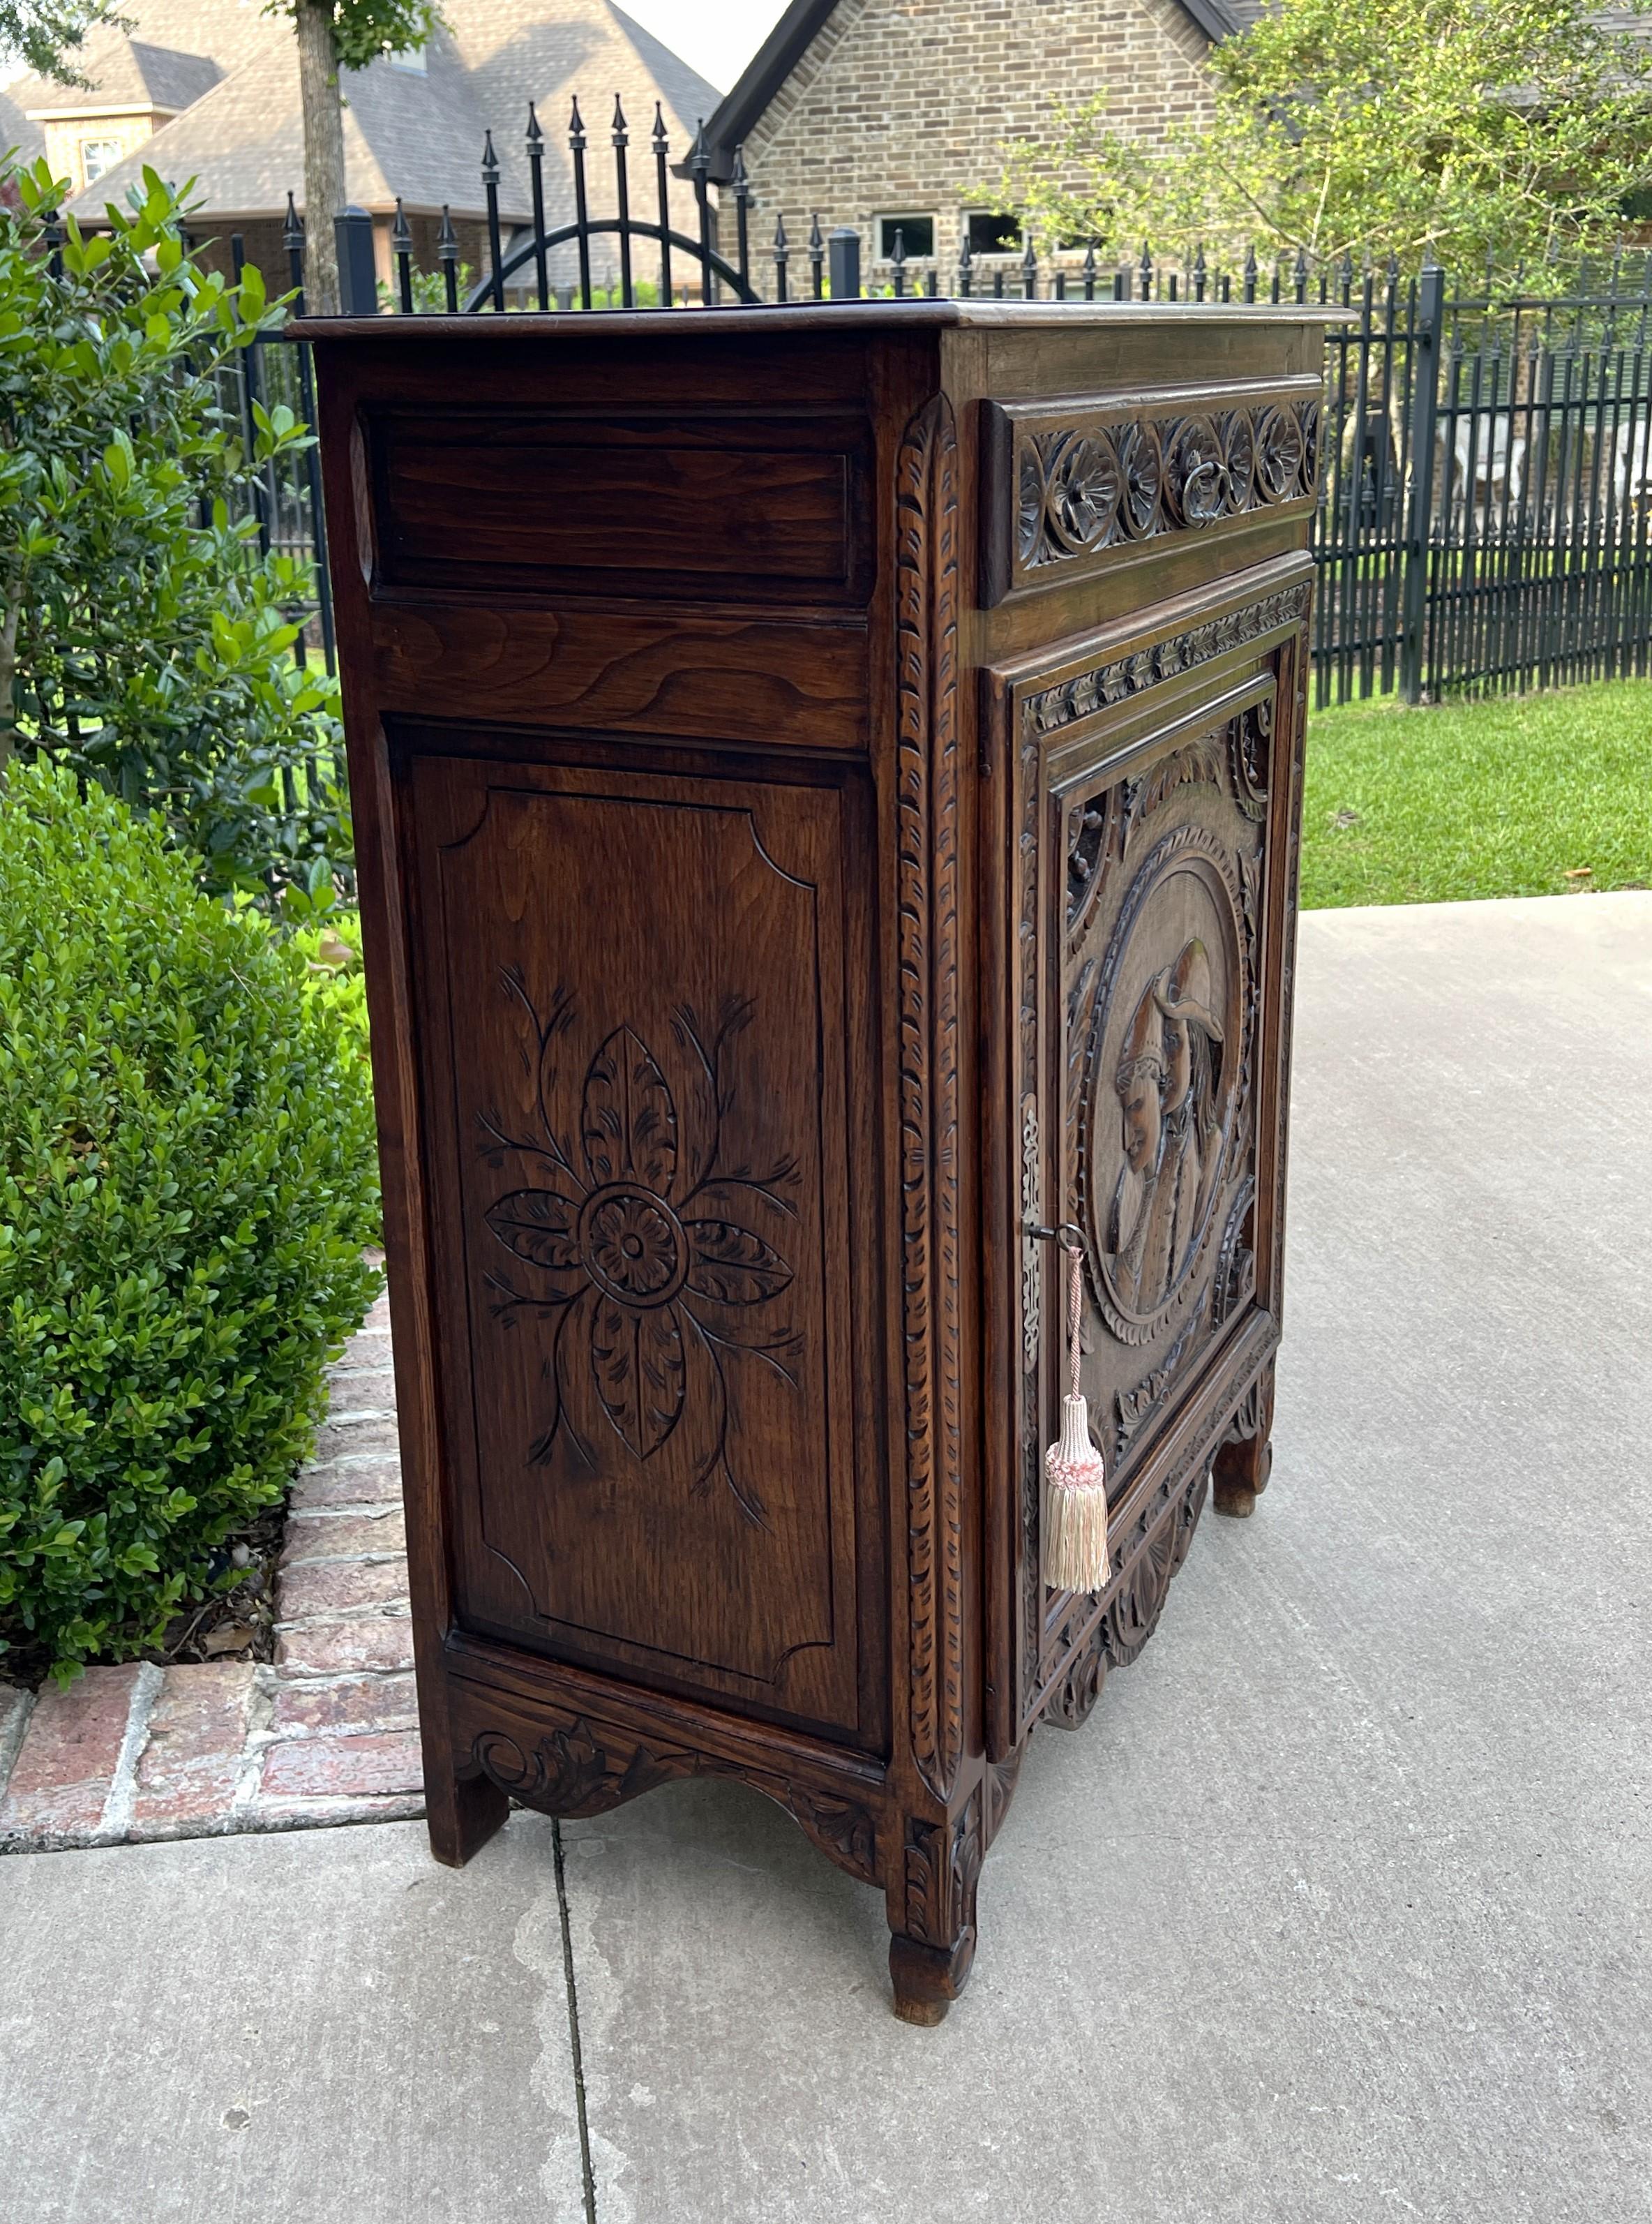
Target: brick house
x: 883, y: 114
x: 209, y: 90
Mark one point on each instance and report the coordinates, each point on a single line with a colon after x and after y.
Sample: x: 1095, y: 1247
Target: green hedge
x: 186, y: 1181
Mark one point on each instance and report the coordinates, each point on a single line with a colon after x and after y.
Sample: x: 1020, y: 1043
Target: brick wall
x: 898, y: 107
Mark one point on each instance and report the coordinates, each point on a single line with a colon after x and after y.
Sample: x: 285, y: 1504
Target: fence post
x: 1425, y: 403
x: 843, y: 247
x: 358, y: 280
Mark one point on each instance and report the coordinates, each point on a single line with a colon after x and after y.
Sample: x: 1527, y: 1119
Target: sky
x: 716, y: 37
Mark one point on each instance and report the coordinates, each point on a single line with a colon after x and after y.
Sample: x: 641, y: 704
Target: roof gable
x: 738, y: 112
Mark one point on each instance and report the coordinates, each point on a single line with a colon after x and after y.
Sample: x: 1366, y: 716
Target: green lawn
x: 1514, y: 796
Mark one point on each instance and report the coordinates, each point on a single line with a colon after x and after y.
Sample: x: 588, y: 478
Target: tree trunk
x: 8, y: 677
x: 324, y: 153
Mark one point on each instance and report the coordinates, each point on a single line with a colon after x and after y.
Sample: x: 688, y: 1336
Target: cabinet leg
x: 928, y: 1979
x: 461, y: 1813
x: 932, y: 1911
x: 1239, y: 1475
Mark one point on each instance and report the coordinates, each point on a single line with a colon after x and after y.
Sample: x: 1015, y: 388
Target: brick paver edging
x: 329, y: 1733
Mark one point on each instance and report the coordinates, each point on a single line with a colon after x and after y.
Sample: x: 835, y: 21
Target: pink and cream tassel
x: 1075, y: 1489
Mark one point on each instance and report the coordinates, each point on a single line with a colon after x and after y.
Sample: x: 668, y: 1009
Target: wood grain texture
x: 767, y: 682
x: 762, y: 931
x: 696, y: 507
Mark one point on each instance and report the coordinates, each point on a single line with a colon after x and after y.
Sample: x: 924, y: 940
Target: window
x: 991, y: 233
x: 917, y: 237
x: 97, y: 155
x: 408, y: 58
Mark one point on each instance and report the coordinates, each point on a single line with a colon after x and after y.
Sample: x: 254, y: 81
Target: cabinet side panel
x: 632, y: 1006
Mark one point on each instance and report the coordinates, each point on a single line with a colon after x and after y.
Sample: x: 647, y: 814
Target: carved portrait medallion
x: 1161, y: 1082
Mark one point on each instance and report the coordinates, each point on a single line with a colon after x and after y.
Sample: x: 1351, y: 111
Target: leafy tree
x: 47, y: 34
x: 1462, y: 128
x: 334, y: 34
x: 144, y: 639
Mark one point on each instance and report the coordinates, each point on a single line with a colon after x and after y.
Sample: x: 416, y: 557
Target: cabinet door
x: 1156, y: 803
x: 638, y: 1069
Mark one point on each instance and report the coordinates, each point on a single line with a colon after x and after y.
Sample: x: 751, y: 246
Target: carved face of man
x: 1138, y: 1093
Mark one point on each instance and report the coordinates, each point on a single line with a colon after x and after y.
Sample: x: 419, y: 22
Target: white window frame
x: 885, y: 250
x: 112, y: 147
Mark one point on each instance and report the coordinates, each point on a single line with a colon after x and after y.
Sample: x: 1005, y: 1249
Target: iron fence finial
x: 662, y: 194
x: 581, y: 213
x: 536, y: 177
x: 447, y: 254
x: 700, y: 165
x: 742, y: 193
x: 401, y: 248
x: 620, y: 133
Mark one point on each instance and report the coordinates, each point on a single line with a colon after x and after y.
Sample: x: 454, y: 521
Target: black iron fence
x: 1487, y: 489
x: 1488, y: 483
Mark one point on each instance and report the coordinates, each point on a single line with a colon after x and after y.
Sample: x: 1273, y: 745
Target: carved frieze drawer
x: 1073, y: 487
x: 693, y: 507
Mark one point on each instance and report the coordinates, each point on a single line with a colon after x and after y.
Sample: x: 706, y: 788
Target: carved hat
x: 1183, y: 991
x: 1143, y: 1045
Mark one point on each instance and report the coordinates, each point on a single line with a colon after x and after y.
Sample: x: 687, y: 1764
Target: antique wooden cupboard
x: 826, y: 784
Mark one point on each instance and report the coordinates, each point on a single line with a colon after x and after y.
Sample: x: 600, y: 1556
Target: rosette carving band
x: 1093, y: 485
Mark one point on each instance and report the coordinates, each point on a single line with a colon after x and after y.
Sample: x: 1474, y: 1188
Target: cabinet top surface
x: 810, y: 318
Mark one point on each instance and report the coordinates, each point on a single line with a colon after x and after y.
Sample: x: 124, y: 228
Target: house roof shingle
x: 125, y: 73
x: 412, y: 133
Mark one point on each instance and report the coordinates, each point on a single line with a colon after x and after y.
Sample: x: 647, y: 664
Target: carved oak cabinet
x: 826, y: 784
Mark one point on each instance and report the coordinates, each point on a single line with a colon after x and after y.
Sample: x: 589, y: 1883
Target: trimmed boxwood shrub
x: 187, y: 1180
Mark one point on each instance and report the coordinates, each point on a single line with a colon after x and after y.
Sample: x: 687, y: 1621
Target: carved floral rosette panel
x: 1145, y: 904
x: 639, y: 1175
x: 1073, y: 485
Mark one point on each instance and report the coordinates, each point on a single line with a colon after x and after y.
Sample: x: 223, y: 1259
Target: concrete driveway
x: 1337, y: 1908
